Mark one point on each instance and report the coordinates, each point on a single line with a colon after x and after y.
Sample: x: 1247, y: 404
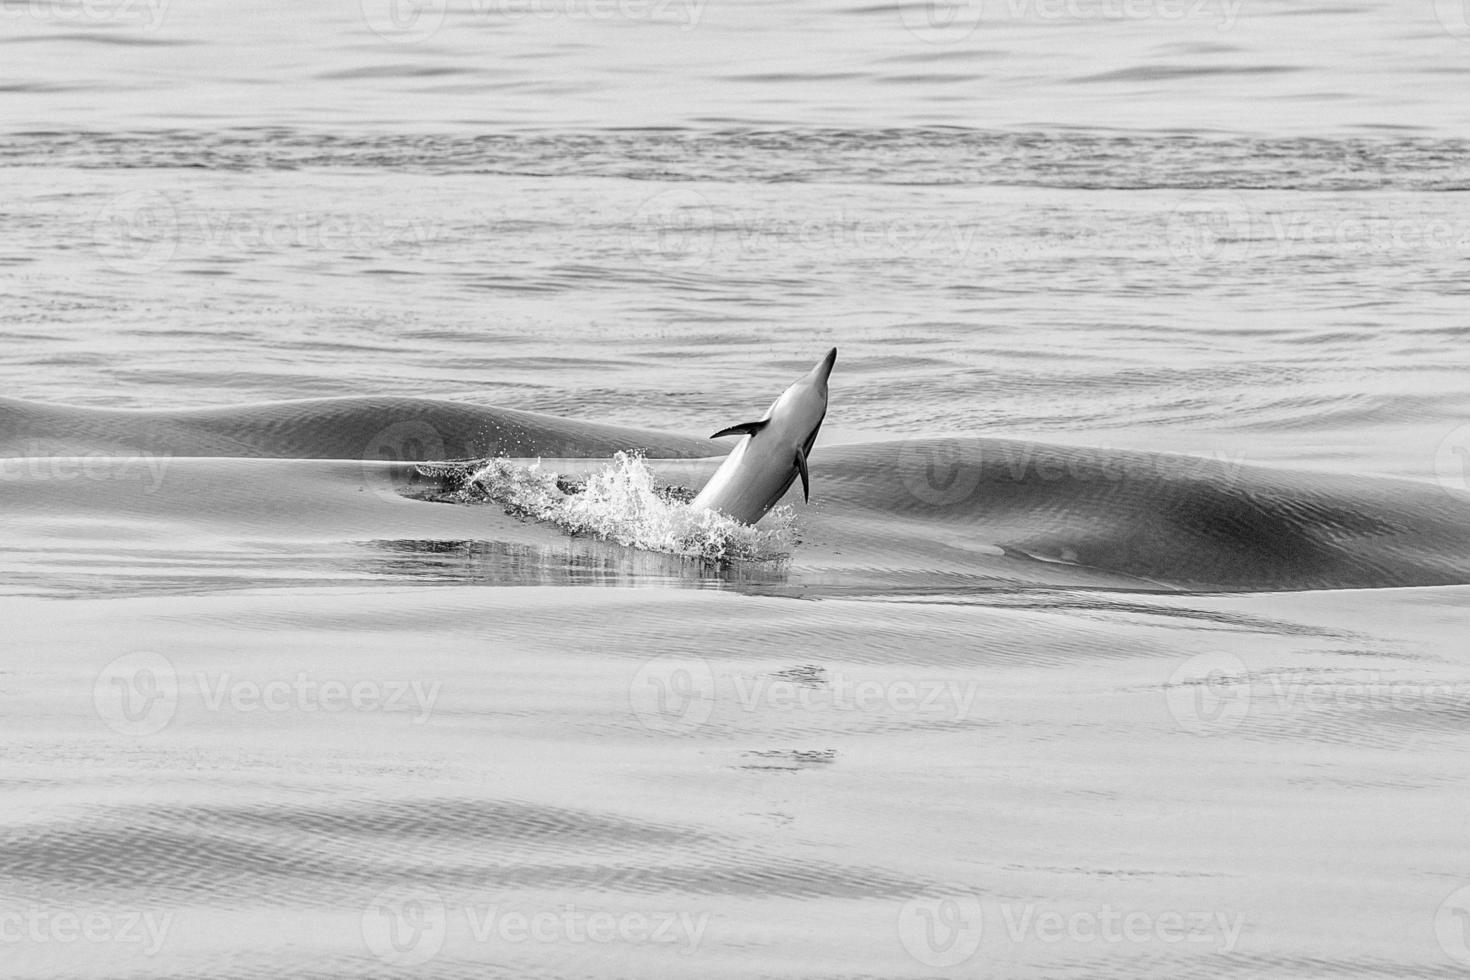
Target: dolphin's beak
x: 824, y: 367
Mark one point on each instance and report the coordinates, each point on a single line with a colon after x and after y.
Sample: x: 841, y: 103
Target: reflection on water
x: 76, y: 573
x: 582, y: 561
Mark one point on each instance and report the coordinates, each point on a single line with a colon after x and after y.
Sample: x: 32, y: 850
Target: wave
x: 1166, y: 521
x: 367, y: 428
x: 916, y: 514
x: 947, y: 155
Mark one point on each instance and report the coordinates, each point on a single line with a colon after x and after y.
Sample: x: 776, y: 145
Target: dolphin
x: 762, y: 467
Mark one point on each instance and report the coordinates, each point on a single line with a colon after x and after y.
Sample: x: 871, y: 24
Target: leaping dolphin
x: 760, y: 470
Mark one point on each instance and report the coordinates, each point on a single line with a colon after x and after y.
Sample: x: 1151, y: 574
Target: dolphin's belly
x: 749, y: 482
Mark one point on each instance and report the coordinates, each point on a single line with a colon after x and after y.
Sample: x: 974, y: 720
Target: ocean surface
x: 1123, y: 633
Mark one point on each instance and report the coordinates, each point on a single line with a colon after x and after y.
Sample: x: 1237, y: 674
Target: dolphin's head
x: 823, y: 370
x: 800, y: 409
x: 810, y: 388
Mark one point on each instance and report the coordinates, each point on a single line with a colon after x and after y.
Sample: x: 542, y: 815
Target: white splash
x: 620, y: 503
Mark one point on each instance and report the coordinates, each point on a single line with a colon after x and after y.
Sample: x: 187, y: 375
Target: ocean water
x: 1122, y: 634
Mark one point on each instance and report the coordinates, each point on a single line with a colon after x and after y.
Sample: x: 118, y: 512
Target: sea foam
x: 621, y: 502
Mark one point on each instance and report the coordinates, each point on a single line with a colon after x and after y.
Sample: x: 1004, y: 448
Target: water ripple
x: 922, y: 156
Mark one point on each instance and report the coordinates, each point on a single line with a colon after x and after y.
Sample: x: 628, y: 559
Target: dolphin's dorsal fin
x: 743, y: 429
x: 806, y: 486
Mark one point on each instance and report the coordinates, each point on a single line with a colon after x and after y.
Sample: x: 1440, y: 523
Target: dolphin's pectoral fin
x: 743, y: 429
x: 806, y: 480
